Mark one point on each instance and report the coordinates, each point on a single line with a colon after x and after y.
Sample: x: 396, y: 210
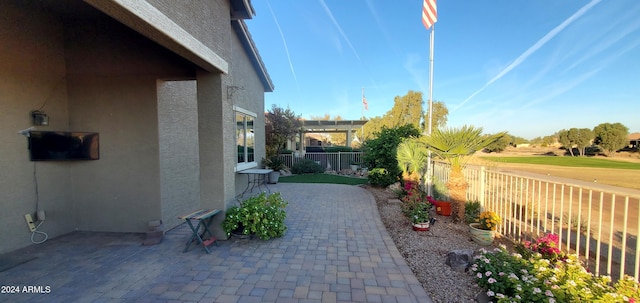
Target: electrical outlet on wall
x: 29, y: 219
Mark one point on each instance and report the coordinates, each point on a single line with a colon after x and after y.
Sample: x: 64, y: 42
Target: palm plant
x: 455, y: 145
x: 412, y: 158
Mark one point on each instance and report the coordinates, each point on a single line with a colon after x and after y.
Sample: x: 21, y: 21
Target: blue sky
x: 527, y: 67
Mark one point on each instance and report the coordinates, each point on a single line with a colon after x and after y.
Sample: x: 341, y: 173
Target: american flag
x: 429, y: 13
x: 364, y: 103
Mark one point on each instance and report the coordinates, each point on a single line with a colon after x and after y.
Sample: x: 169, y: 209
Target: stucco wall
x: 91, y: 73
x: 179, y: 158
x: 31, y: 76
x: 250, y: 97
x: 112, y: 84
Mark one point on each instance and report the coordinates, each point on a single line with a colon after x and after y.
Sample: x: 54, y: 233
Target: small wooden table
x: 204, y: 218
x: 256, y: 177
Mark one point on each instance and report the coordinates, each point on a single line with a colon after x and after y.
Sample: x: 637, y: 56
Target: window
x: 245, y: 138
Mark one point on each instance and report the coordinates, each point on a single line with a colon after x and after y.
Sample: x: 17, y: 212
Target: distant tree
x: 407, y: 109
x: 280, y: 125
x: 583, y: 138
x: 543, y: 141
x: 439, y: 116
x: 381, y: 151
x: 499, y: 144
x: 611, y: 137
x: 564, y: 136
x: 515, y: 140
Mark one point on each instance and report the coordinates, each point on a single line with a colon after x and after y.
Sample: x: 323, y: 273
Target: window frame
x: 246, y: 113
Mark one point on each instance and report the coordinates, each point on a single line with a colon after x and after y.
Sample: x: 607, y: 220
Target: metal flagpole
x: 430, y: 165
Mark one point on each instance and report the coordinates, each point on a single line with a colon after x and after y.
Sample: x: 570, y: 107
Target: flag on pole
x: 364, y: 102
x: 429, y: 13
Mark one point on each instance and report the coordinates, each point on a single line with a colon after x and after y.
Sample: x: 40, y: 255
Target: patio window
x: 245, y: 138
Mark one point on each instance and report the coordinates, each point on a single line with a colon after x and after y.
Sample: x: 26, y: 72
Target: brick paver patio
x: 336, y: 249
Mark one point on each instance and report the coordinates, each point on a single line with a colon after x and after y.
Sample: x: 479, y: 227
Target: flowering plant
x: 509, y: 277
x: 546, y: 245
x: 489, y: 220
x: 414, y: 205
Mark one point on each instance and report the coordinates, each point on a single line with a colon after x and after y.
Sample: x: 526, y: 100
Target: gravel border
x: 425, y: 252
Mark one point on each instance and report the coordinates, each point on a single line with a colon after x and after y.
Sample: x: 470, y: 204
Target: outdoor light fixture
x: 39, y: 118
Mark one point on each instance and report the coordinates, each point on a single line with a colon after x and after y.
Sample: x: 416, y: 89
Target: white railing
x: 601, y: 226
x: 329, y: 161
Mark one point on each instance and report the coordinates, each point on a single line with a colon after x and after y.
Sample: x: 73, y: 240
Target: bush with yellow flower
x: 489, y: 220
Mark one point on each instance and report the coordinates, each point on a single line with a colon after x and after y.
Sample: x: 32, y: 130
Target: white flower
x: 487, y: 273
x: 501, y: 274
x: 524, y: 271
x: 492, y: 280
x: 552, y: 300
x: 499, y: 295
x: 572, y: 283
x: 513, y: 276
x: 490, y: 293
x: 537, y: 290
x: 518, y: 297
x: 479, y: 275
x: 548, y: 293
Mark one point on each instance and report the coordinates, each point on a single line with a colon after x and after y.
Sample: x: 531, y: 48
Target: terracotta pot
x: 443, y: 208
x: 481, y: 236
x: 421, y: 226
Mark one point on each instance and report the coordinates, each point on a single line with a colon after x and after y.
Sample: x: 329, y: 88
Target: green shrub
x: 471, y: 211
x: 262, y: 215
x: 306, y: 166
x: 381, y: 152
x: 381, y: 177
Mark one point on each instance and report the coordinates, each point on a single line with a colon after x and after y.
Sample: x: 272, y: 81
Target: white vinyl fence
x: 329, y: 161
x: 598, y: 223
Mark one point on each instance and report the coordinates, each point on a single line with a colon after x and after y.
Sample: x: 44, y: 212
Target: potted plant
x: 443, y: 208
x: 276, y: 164
x: 419, y: 214
x: 354, y: 165
x: 262, y: 215
x: 483, y: 232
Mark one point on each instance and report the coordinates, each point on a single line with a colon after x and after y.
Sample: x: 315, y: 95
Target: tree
x: 407, y: 109
x: 583, y: 139
x: 611, y: 137
x: 280, y: 125
x: 439, y: 116
x: 381, y: 152
x: 565, y: 138
x: 500, y: 144
x: 455, y: 145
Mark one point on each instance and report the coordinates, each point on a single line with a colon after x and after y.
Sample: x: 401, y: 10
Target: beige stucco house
x: 173, y: 88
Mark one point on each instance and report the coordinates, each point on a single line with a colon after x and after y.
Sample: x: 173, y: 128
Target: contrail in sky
x: 284, y: 42
x: 533, y: 49
x: 344, y: 36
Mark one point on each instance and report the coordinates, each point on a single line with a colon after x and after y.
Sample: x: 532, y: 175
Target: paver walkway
x: 336, y: 249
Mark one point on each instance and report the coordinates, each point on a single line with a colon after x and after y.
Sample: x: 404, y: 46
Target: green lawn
x: 322, y: 178
x: 567, y: 161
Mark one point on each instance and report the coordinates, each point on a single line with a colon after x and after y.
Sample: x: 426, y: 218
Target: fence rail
x: 601, y: 226
x: 329, y: 161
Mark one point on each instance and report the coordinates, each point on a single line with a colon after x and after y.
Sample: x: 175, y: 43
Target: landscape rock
x: 460, y: 259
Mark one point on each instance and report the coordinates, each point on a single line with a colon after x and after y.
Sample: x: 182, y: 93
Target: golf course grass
x: 567, y: 161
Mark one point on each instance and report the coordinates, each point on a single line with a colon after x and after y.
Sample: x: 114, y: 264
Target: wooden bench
x: 204, y: 218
